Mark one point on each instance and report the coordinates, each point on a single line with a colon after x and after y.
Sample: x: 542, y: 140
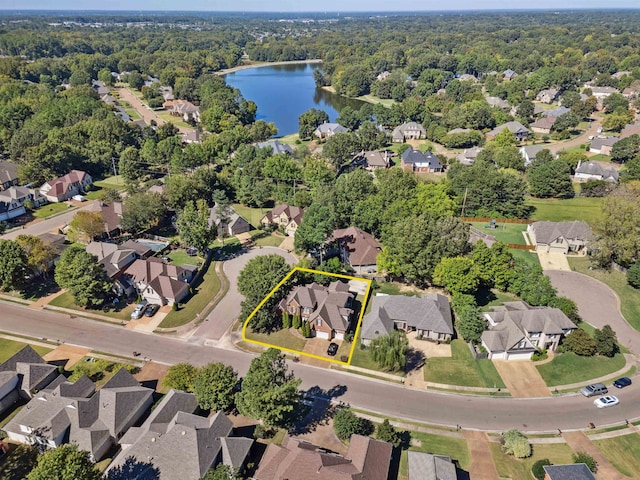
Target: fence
x: 498, y: 220
x: 476, y: 355
x: 518, y: 246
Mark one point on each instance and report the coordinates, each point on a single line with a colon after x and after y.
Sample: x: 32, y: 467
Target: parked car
x: 333, y: 349
x: 608, y: 401
x: 151, y: 309
x: 594, y: 389
x: 622, y: 382
x: 139, y: 310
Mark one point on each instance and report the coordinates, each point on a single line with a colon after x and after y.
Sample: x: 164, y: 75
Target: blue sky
x: 308, y: 5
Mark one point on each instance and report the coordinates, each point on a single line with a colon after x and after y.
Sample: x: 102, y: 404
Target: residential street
x: 49, y: 225
x: 477, y: 412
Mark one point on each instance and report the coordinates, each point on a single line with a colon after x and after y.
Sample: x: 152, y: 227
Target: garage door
x: 519, y: 356
x: 324, y: 335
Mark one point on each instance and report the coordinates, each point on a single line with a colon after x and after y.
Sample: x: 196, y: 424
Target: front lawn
x: 114, y: 182
x: 282, y: 338
x: 588, y: 209
x: 567, y: 368
x: 456, y: 448
x: 509, y: 466
x: 529, y: 257
x: 617, y: 281
x: 8, y: 348
x: 205, y: 291
x: 505, y: 232
x: 264, y: 239
x: 66, y: 300
x: 179, y: 257
x: 167, y: 117
x: 50, y: 209
x: 462, y: 369
x: 623, y: 452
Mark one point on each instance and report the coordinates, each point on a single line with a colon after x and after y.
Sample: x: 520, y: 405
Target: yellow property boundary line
x: 298, y: 352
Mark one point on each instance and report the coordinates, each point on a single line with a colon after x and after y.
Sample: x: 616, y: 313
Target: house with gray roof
x: 509, y: 74
x: 576, y: 471
x: 559, y: 237
x: 429, y: 316
x: 22, y: 375
x: 408, y: 131
x: 179, y: 444
x: 517, y: 329
x: 519, y: 131
x: 468, y: 157
x: 548, y: 95
x: 14, y: 201
x: 229, y: 224
x: 529, y: 153
x: 603, y: 145
x: 497, y: 102
x: 276, y: 147
x: 8, y: 174
x: 327, y: 130
x: 327, y: 309
x: 372, y: 160
x: 595, y: 171
x: 631, y: 129
x: 556, y: 112
x: 75, y: 413
x: 427, y: 466
x: 418, y: 162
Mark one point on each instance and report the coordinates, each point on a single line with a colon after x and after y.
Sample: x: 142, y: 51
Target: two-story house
x: 287, y: 217
x: 356, y: 248
x: 519, y: 131
x: 517, y: 329
x: 65, y: 187
x: 327, y: 309
x: 408, y: 131
x: 159, y: 282
x: 418, y: 162
x: 13, y: 201
x: 559, y: 237
x: 8, y: 174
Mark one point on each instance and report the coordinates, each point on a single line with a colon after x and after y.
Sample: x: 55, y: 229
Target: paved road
x: 49, y: 225
x: 487, y: 413
x: 597, y: 304
x: 228, y: 309
x: 579, y: 140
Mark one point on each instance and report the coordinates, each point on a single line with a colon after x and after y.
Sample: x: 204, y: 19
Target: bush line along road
x: 485, y: 413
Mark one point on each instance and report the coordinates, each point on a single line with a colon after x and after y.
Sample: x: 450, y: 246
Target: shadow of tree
x: 415, y: 360
x: 316, y: 409
x: 133, y: 469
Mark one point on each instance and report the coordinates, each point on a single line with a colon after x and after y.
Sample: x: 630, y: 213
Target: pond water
x: 284, y: 92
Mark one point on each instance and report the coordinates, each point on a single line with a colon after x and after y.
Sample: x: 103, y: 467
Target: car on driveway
x: 151, y: 310
x: 333, y: 349
x: 139, y: 310
x: 622, y: 382
x: 607, y: 401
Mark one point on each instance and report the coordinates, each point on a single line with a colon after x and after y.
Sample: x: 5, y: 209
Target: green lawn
x: 617, y: 281
x: 126, y: 106
x: 587, y: 209
x: 510, y: 467
x: 179, y: 257
x: 205, y: 292
x: 623, y: 452
x: 567, y: 368
x: 167, y: 117
x: 601, y: 157
x: 456, y: 448
x: 530, y: 257
x: 8, y: 348
x: 387, y: 102
x: 114, y: 182
x: 293, y: 139
x: 394, y: 288
x: 251, y: 215
x: 66, y: 301
x: 50, y: 209
x: 506, y: 232
x: 462, y: 369
x: 486, y: 298
x: 264, y: 239
x: 281, y: 338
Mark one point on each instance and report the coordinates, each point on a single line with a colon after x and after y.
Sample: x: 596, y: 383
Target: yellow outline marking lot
x: 297, y: 352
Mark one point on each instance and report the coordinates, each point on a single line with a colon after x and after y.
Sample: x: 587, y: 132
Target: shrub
x: 262, y: 432
x: 580, y: 343
x: 538, y: 470
x: 539, y: 355
x: 286, y: 320
x: 346, y: 423
x: 584, y: 457
x: 516, y: 444
x: 606, y: 342
x: 386, y: 433
x: 633, y: 275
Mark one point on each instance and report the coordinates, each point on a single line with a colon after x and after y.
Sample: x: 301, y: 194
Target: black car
x: 622, y: 382
x: 151, y: 310
x: 333, y: 349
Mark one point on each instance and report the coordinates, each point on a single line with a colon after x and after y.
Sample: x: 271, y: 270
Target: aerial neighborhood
x: 421, y: 262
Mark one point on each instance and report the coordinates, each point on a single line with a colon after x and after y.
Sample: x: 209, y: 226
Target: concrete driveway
x: 220, y: 320
x: 553, y: 261
x: 521, y: 378
x: 598, y: 305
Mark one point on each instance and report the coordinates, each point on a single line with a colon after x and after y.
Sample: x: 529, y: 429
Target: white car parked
x: 607, y: 401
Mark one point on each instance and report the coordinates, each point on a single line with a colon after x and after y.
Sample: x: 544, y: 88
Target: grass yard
x: 263, y: 239
x: 506, y: 232
x: 456, y: 448
x: 600, y: 157
x: 179, y: 257
x: 623, y: 452
x: 530, y: 257
x: 251, y: 215
x: 126, y: 106
x: 281, y: 338
x: 114, y: 182
x: 292, y: 139
x: 486, y: 298
x: 462, y: 369
x: 167, y: 117
x: 510, y: 467
x: 567, y: 368
x: 8, y: 348
x: 386, y: 102
x: 66, y: 301
x: 204, y: 293
x: 587, y: 209
x: 617, y: 281
x: 99, y: 371
x: 50, y: 209
x: 394, y: 288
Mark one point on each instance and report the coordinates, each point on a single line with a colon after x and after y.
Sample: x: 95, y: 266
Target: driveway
x: 553, y: 261
x: 598, y: 305
x: 220, y: 320
x: 521, y: 378
x: 317, y: 346
x: 579, y: 442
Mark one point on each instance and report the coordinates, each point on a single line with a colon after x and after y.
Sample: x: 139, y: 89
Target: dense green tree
x: 65, y: 462
x: 515, y: 443
x: 386, y: 433
x: 537, y: 469
x: 14, y: 265
x: 349, y: 118
x: 580, y: 343
x: 469, y: 322
x: 85, y: 278
x: 346, y: 423
x: 568, y: 307
x: 606, y: 342
x: 614, y: 101
x: 566, y: 121
x: 221, y: 472
x: 309, y: 121
x: 142, y: 211
x: 180, y: 376
x: 214, y: 386
x: 550, y: 179
x: 457, y: 275
x: 390, y: 351
x: 193, y: 225
x: 86, y: 226
x: 340, y: 148
x: 633, y: 275
x: 269, y: 392
x: 317, y: 224
x: 625, y: 149
x: 40, y: 254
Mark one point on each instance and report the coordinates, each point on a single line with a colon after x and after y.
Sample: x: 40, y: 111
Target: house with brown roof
x: 327, y: 309
x: 372, y: 161
x: 288, y: 217
x: 297, y: 459
x: 65, y: 187
x: 8, y: 174
x: 357, y: 248
x: 182, y: 108
x: 631, y: 129
x: 517, y: 329
x: 228, y: 224
x: 159, y: 282
x: 559, y: 237
x: 543, y: 124
x: 112, y: 215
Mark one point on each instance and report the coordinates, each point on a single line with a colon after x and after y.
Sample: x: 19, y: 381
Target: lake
x: 284, y: 92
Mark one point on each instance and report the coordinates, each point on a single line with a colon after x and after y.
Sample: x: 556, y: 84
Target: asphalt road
x: 479, y: 412
x: 49, y: 225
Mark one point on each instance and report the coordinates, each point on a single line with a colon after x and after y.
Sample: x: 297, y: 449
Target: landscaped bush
x: 633, y: 275
x: 538, y: 470
x: 580, y: 343
x: 539, y: 355
x: 346, y: 423
x: 515, y: 443
x: 584, y: 457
